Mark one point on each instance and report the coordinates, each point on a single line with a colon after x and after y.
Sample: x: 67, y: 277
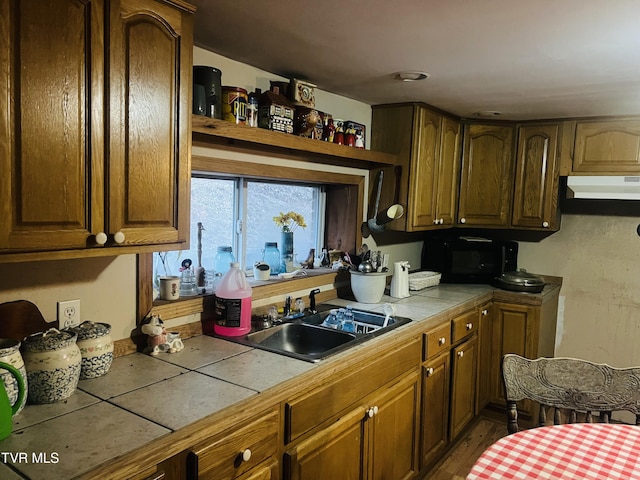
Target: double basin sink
x: 306, y: 339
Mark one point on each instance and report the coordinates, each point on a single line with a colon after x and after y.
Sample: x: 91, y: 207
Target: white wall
x: 598, y: 258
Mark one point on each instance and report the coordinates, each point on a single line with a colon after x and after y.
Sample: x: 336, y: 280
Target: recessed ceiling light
x: 410, y: 76
x: 487, y: 113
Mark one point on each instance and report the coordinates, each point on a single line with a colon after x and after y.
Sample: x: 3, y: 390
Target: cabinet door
x: 463, y: 385
x: 149, y: 88
x: 535, y: 200
x: 51, y: 124
x: 435, y: 408
x: 485, y: 365
x: 448, y: 173
x: 393, y: 430
x: 487, y: 176
x: 424, y: 156
x: 607, y: 147
x: 334, y: 452
x: 514, y: 331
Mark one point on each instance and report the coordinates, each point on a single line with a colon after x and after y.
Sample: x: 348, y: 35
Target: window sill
x: 261, y: 290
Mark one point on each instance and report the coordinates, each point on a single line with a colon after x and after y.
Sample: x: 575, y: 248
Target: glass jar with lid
x: 271, y: 256
x: 223, y: 260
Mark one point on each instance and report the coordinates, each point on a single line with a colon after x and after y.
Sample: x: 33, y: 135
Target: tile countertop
x: 143, y: 398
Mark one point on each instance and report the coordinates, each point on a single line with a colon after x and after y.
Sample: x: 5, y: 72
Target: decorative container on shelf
x: 10, y: 354
x: 275, y: 112
x: 96, y: 348
x: 287, y: 252
x: 53, y: 363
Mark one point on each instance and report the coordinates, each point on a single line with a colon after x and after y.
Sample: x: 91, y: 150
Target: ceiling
x: 530, y: 59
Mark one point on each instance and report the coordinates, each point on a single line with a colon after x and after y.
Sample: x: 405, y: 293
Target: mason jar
x: 271, y: 256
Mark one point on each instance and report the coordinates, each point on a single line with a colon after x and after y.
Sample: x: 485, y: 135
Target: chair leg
x: 512, y: 417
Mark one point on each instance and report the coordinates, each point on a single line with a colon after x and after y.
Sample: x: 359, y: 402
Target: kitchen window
x: 340, y: 200
x: 238, y: 212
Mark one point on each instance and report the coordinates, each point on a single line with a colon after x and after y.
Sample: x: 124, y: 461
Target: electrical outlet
x: 69, y: 313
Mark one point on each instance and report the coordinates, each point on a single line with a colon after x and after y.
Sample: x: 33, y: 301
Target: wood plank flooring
x: 470, y: 446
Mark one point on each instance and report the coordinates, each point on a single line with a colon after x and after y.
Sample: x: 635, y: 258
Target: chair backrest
x: 578, y: 386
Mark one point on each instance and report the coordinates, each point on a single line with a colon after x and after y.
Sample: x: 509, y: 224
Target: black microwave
x: 469, y: 259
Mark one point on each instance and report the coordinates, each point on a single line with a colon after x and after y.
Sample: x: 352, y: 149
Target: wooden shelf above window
x: 210, y: 130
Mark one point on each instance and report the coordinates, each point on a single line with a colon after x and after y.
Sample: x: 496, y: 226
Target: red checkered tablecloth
x: 580, y: 451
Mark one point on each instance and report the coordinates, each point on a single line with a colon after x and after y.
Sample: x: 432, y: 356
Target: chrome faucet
x: 312, y: 300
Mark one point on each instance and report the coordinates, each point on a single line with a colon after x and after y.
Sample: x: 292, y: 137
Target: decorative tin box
x: 302, y: 93
x: 275, y: 112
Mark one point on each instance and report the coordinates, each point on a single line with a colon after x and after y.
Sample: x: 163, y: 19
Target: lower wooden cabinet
x: 376, y: 440
x: 463, y: 385
x: 448, y: 384
x: 523, y: 329
x: 244, y: 451
x: 485, y: 372
x: 434, y: 432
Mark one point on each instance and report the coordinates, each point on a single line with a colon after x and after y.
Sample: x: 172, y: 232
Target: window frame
x: 341, y: 186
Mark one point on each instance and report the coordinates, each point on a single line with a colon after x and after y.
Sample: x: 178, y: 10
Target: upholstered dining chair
x: 571, y: 386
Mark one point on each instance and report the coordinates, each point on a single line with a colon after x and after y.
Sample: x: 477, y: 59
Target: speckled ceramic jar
x: 52, y: 360
x: 10, y: 353
x: 96, y: 348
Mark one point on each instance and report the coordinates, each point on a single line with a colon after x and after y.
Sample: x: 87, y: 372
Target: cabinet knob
x: 373, y: 411
x: 485, y: 312
x: 429, y: 371
x: 545, y: 224
x: 118, y: 237
x: 442, y: 341
x: 461, y: 354
x: 463, y: 220
x: 442, y: 221
x: 246, y: 455
x: 101, y: 238
x: 469, y: 326
x: 436, y: 221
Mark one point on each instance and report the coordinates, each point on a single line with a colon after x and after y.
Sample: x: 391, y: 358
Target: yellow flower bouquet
x: 289, y: 221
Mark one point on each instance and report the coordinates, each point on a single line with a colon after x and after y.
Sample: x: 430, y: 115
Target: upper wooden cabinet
x: 605, y: 146
x: 425, y: 181
x: 486, y: 183
x: 94, y: 129
x: 535, y: 194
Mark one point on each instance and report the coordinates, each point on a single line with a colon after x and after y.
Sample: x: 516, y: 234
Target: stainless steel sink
x: 306, y: 339
x: 302, y: 340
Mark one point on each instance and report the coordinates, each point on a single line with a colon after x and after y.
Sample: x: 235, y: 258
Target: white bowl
x: 368, y: 287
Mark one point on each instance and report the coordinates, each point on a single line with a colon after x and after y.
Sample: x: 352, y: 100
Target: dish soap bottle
x: 232, y: 313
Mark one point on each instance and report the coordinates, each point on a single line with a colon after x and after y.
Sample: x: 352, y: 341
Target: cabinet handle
x: 373, y: 411
x: 101, y: 238
x: 545, y: 224
x: 463, y: 220
x: 461, y: 354
x: 429, y: 371
x: 442, y: 341
x: 246, y: 455
x: 469, y: 326
x: 118, y: 237
x: 485, y: 312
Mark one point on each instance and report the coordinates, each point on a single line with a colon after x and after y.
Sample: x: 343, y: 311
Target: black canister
x: 211, y: 79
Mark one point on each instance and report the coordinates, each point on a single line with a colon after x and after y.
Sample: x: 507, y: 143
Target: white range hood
x: 604, y: 188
